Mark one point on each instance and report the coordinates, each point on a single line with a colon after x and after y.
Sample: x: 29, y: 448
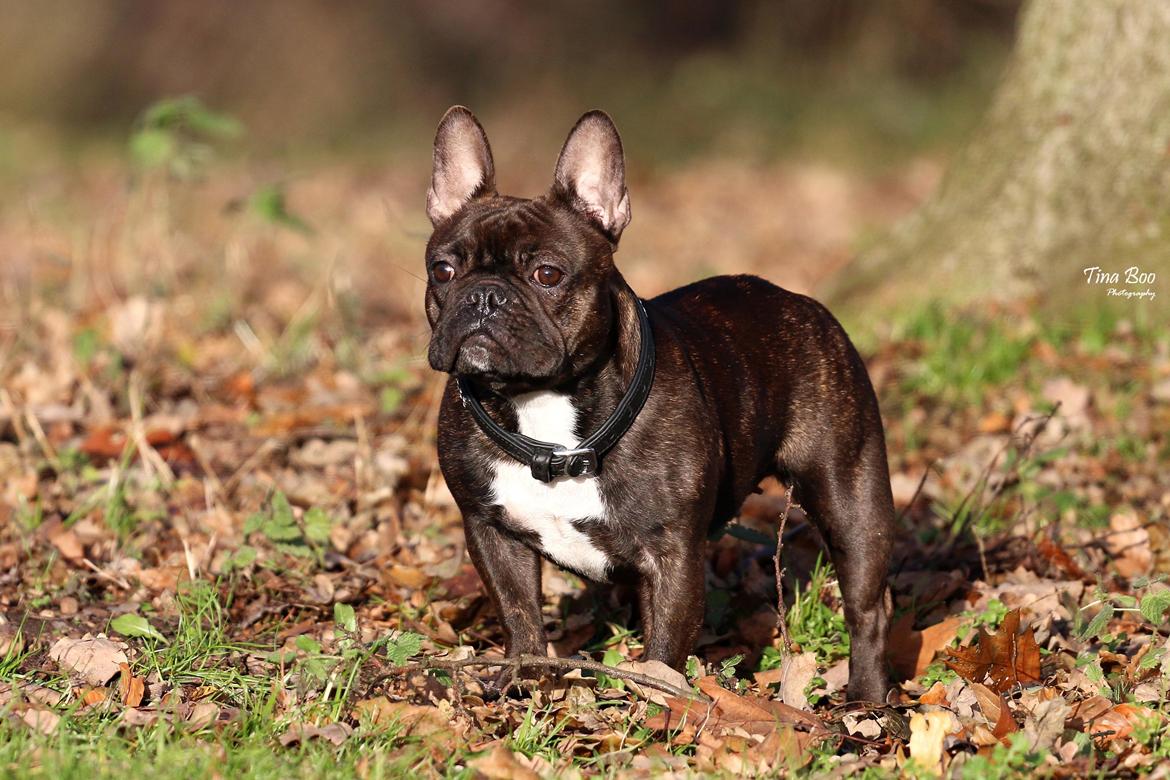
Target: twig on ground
x: 10, y: 413
x: 151, y: 460
x: 913, y: 498
x: 42, y: 440
x: 1022, y: 442
x: 266, y: 449
x: 195, y: 442
x: 105, y: 575
x: 781, y: 609
x: 516, y: 663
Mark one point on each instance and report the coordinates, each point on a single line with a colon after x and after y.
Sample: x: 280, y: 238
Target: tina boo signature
x: 1133, y: 276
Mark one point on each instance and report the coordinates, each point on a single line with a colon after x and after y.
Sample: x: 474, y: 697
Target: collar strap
x: 548, y: 460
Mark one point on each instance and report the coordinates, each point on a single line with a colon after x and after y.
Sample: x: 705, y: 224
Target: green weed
x: 813, y: 623
x: 962, y: 354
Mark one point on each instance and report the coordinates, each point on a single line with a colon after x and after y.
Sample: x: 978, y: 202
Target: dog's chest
x: 550, y: 509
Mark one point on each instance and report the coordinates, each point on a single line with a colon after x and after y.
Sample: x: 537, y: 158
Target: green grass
x: 962, y: 354
x: 89, y: 746
x: 92, y: 742
x: 815, y: 621
x: 537, y: 733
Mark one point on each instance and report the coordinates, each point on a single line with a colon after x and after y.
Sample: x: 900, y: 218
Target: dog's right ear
x: 463, y: 167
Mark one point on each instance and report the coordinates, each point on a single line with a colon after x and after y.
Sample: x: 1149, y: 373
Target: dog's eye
x: 442, y: 272
x: 547, y: 276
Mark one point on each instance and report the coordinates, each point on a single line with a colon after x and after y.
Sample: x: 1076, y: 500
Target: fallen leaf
x: 726, y: 711
x: 199, y: 715
x: 161, y: 577
x: 282, y: 423
x: 133, y: 625
x: 995, y: 709
x: 796, y: 672
x: 140, y: 717
x: 1118, y: 722
x: 131, y: 689
x: 93, y: 696
x: 927, y: 732
x: 836, y: 677
x: 1036, y: 595
x: 1129, y: 545
x: 1045, y: 723
x: 500, y: 763
x: 937, y: 695
x: 1073, y: 399
x: 910, y: 651
x: 861, y: 724
x: 905, y: 488
x: 407, y: 576
x: 67, y: 543
x: 995, y: 422
x: 784, y: 748
x: 411, y: 720
x: 659, y: 671
x: 1088, y: 710
x: 1004, y: 659
x: 39, y: 694
x: 1058, y: 557
x: 95, y: 659
x: 44, y: 721
x: 465, y: 583
x: 299, y: 733
x: 103, y: 443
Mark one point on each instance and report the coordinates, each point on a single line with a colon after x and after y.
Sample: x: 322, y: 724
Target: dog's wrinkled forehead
x: 501, y: 229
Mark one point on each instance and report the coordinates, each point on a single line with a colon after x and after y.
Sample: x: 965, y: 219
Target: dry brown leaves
x: 764, y: 732
x: 298, y: 733
x: 998, y: 713
x: 911, y: 651
x: 235, y: 424
x: 1005, y: 660
x: 131, y: 689
x: 93, y: 659
x: 500, y: 763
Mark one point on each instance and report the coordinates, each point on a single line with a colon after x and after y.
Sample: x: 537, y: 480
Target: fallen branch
x: 781, y: 607
x: 516, y: 663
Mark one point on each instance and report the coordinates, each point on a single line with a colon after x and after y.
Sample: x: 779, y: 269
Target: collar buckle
x: 581, y: 462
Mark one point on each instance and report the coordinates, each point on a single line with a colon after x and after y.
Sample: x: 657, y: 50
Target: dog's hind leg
x: 851, y: 505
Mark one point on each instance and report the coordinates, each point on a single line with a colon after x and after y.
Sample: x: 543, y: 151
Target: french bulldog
x: 547, y: 350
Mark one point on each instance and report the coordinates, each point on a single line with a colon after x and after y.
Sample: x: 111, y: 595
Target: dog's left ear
x: 591, y: 173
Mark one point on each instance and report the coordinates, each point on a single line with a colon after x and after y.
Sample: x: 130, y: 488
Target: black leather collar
x: 548, y: 460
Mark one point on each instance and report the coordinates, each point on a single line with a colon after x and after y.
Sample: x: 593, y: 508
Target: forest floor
x: 226, y: 548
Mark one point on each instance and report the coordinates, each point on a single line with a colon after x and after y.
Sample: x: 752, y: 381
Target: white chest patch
x: 548, y: 509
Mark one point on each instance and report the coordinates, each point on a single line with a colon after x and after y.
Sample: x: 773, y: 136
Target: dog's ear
x: 591, y: 173
x: 463, y: 167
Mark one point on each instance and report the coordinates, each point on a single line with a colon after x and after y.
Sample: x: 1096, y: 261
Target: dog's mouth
x: 491, y: 355
x: 478, y: 354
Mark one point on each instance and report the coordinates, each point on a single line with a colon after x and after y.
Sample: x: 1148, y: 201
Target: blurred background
x: 767, y: 137
x: 742, y: 77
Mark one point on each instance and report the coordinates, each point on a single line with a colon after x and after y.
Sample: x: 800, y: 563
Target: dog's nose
x: 486, y: 300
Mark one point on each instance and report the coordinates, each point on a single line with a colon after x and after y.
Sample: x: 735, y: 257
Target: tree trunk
x: 1070, y: 169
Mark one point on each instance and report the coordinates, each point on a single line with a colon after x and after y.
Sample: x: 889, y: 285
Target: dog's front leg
x: 511, y: 571
x: 672, y: 597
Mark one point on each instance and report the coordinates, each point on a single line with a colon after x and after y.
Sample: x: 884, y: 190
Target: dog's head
x: 519, y: 290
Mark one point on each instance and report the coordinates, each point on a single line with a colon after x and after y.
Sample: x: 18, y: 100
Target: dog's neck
x: 595, y: 393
